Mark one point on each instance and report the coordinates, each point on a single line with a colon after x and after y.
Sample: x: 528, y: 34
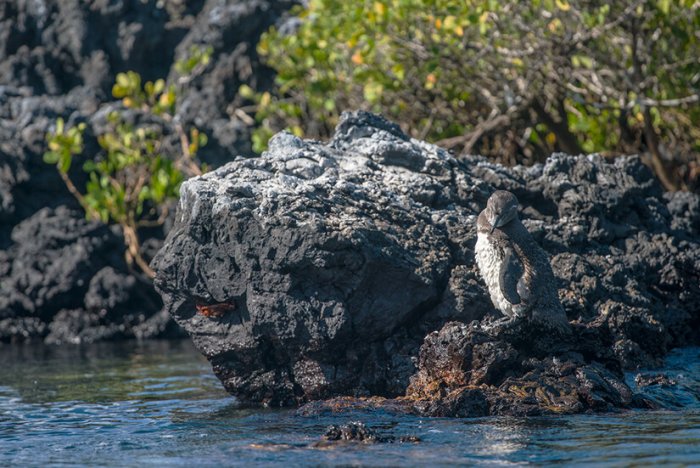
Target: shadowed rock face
x: 61, y: 58
x: 464, y: 371
x: 318, y: 269
x: 232, y: 28
x: 63, y: 281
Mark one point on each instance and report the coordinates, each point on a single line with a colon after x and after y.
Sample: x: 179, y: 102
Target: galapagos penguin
x: 514, y: 267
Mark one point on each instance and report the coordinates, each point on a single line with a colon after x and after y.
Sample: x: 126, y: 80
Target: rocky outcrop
x: 318, y: 269
x: 465, y: 371
x: 53, y: 47
x: 324, y: 258
x: 60, y: 59
x: 64, y: 281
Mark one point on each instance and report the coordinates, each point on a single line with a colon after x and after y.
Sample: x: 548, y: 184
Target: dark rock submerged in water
x: 347, y: 268
x: 356, y: 431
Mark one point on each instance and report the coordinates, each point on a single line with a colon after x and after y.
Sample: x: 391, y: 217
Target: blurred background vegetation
x: 514, y: 81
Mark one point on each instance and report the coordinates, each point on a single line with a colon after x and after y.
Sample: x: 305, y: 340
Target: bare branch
x: 693, y: 98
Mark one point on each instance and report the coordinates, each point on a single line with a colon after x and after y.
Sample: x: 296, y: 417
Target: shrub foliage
x: 131, y: 180
x: 508, y: 79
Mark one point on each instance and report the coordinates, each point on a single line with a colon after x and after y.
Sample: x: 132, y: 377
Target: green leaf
x: 51, y: 157
x: 89, y: 166
x: 159, y: 86
x: 581, y: 61
x: 123, y: 80
x: 399, y: 71
x: 118, y: 91
x: 246, y: 91
x: 64, y: 162
x: 372, y: 91
x: 664, y: 6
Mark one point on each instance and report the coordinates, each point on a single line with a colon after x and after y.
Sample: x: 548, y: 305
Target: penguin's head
x: 502, y: 208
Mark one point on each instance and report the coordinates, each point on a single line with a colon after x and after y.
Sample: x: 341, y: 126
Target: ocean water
x: 158, y: 404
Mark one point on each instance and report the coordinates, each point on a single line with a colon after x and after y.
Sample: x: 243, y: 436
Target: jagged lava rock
x: 357, y: 431
x: 210, y: 100
x: 465, y: 371
x: 64, y: 280
x: 325, y: 252
x: 317, y: 269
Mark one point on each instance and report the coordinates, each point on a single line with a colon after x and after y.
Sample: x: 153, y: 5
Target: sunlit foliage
x: 508, y: 79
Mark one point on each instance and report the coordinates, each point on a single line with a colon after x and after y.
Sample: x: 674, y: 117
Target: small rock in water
x: 657, y: 379
x: 357, y: 431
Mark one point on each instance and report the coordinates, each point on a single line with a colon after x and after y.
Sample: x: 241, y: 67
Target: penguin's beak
x: 495, y: 223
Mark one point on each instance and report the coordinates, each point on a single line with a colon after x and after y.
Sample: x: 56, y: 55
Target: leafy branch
x: 130, y: 180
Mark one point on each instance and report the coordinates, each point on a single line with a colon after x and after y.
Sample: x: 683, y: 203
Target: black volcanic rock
x: 27, y: 184
x: 51, y: 255
x: 66, y: 281
x: 317, y: 269
x: 55, y: 255
x: 356, y: 431
x: 327, y: 257
x: 60, y: 59
x: 465, y: 371
x: 210, y: 100
x: 353, y: 431
x: 54, y: 46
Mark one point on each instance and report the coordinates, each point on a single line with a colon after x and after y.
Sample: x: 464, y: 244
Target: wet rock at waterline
x: 318, y: 269
x: 464, y: 371
x: 356, y: 431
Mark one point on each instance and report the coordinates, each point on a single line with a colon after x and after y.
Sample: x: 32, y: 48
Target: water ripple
x: 158, y: 404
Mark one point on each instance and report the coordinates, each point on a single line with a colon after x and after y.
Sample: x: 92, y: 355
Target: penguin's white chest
x: 489, y: 260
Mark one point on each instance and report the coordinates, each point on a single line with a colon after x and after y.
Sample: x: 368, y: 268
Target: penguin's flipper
x: 509, y: 277
x: 523, y: 290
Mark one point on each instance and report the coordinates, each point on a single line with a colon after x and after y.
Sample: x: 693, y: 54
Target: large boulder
x: 300, y: 272
x: 317, y: 269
